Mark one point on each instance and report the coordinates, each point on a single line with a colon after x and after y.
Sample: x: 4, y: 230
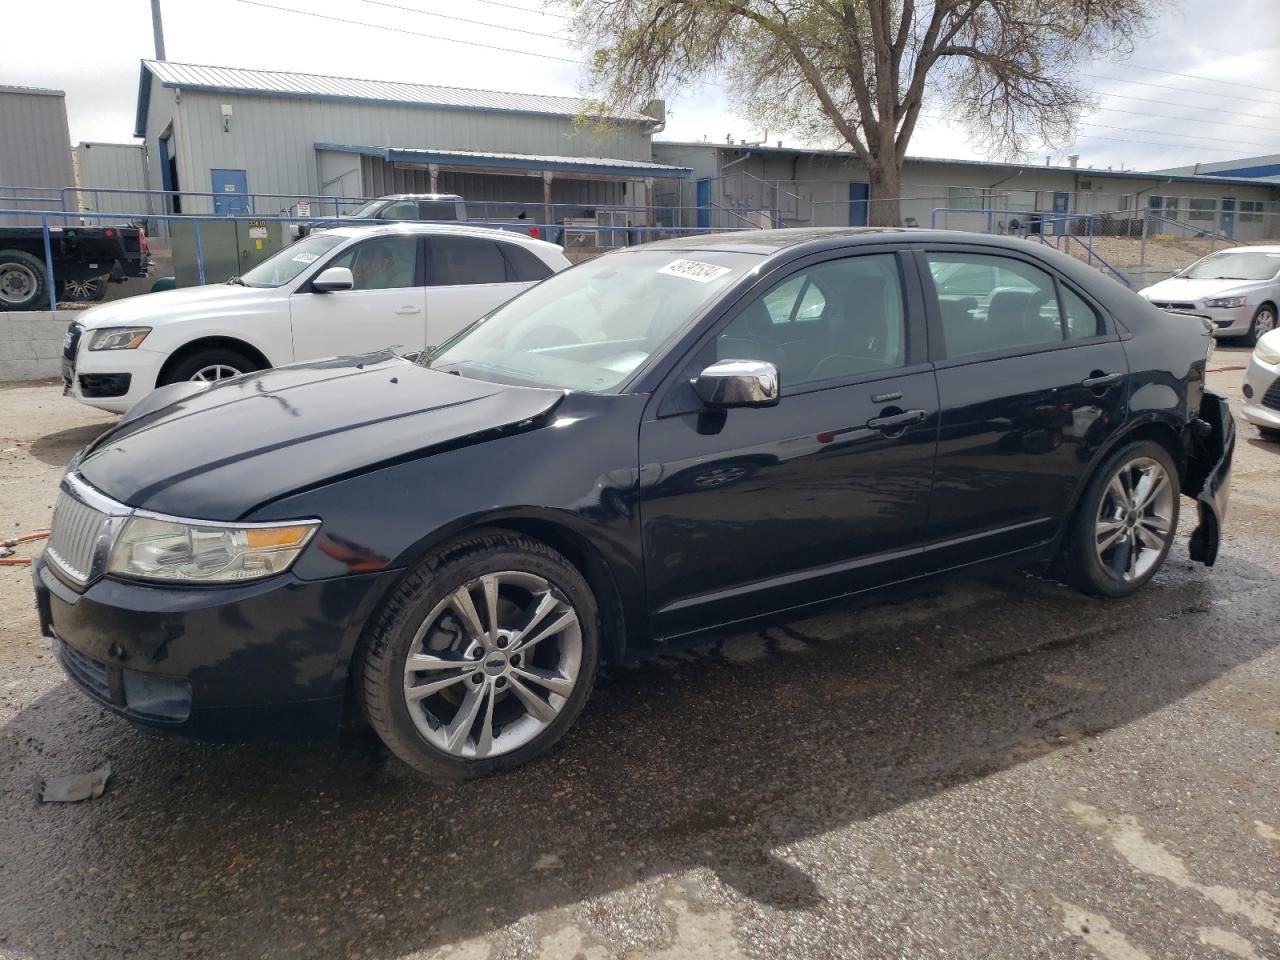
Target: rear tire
x: 482, y: 658
x: 23, y: 283
x: 91, y: 290
x: 1124, y: 524
x: 208, y: 365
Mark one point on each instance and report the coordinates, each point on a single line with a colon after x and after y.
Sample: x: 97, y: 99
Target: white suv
x: 345, y: 291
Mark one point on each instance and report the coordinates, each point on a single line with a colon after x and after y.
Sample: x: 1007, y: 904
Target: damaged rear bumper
x: 1208, y: 474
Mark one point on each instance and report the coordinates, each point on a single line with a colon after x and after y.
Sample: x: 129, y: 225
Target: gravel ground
x: 991, y: 768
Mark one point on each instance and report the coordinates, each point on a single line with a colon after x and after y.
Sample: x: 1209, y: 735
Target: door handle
x: 1103, y: 380
x: 408, y: 311
x: 896, y: 421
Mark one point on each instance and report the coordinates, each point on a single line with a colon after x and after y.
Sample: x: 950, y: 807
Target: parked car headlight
x: 1222, y: 303
x: 118, y: 338
x: 1268, y: 348
x: 156, y: 548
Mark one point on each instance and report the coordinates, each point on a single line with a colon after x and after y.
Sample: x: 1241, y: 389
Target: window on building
x: 967, y: 198
x: 1251, y: 211
x: 1201, y: 209
x: 458, y: 261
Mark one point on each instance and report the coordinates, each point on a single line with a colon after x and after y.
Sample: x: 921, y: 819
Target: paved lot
x: 995, y: 768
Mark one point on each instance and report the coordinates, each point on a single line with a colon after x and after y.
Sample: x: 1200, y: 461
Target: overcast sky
x: 1203, y: 88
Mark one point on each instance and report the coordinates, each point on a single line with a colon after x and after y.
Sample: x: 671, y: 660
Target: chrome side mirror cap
x: 334, y: 278
x: 738, y: 383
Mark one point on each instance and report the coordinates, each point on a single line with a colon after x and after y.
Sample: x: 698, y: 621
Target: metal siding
x: 119, y: 166
x: 35, y: 147
x: 273, y: 138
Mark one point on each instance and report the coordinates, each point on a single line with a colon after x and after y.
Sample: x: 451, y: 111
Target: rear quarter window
x: 523, y: 265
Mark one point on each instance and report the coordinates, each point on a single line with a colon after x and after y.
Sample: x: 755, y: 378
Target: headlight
x: 118, y: 338
x: 1268, y: 348
x: 157, y: 548
x: 1222, y: 303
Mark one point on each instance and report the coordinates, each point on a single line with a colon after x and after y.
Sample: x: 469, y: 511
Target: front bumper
x: 1262, y: 394
x: 1208, y: 474
x: 96, y: 372
x: 237, y: 662
x: 1231, y: 322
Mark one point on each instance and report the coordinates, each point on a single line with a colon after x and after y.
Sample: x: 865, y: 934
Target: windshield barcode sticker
x: 306, y: 258
x: 694, y: 270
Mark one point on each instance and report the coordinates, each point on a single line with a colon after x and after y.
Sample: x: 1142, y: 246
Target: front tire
x: 1123, y: 527
x: 208, y: 365
x: 482, y: 658
x: 1264, y: 321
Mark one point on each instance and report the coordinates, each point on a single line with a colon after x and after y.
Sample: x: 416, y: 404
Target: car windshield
x: 366, y: 209
x: 283, y: 267
x: 1235, y: 265
x: 591, y: 327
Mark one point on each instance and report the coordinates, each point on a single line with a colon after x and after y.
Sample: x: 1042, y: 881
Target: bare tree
x: 863, y: 70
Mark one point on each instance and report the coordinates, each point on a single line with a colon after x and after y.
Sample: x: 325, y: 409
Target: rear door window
x: 463, y: 261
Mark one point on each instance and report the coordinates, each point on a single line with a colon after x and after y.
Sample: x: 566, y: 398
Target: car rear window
x: 525, y: 267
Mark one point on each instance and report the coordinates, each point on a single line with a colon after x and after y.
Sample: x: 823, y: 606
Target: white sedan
x: 1262, y: 386
x: 346, y: 291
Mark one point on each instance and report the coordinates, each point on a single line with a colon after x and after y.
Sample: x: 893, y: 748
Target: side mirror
x: 335, y: 278
x: 738, y: 383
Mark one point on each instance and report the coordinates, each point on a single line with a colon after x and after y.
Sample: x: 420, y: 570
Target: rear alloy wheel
x: 1124, y: 526
x: 88, y: 290
x: 483, y: 657
x: 1264, y: 321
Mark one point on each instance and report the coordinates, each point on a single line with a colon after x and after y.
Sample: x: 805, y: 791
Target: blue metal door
x: 859, y: 193
x: 230, y: 192
x: 1229, y: 216
x: 702, y: 200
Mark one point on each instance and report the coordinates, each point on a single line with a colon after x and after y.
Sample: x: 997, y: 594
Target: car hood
x: 1179, y: 289
x: 221, y: 451
x: 151, y: 308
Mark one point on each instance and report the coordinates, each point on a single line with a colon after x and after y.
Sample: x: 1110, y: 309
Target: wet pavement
x: 991, y: 767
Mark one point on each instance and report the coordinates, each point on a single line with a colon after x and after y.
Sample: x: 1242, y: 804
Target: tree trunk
x: 886, y: 211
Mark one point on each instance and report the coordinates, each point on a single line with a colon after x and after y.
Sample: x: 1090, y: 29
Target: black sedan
x: 661, y: 443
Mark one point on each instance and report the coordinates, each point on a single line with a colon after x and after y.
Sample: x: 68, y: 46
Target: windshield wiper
x: 237, y: 281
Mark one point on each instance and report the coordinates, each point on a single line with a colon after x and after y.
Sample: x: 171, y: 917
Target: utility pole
x: 157, y: 27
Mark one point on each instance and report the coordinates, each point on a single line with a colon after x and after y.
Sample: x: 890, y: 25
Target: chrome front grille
x: 84, y: 527
x: 73, y: 538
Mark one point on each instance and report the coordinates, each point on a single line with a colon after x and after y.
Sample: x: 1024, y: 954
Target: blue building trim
x: 531, y: 164
x: 1264, y: 170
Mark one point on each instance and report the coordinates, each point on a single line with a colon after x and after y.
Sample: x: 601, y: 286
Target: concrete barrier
x: 31, y: 343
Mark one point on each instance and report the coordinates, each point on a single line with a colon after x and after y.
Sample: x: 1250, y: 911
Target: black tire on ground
x: 1079, y: 562
x: 205, y: 359
x: 92, y: 290
x: 23, y: 284
x: 1264, y: 320
x: 380, y: 667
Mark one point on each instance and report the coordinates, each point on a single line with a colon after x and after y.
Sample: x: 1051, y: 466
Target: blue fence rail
x: 48, y: 229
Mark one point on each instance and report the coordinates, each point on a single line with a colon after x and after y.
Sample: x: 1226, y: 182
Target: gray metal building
x: 227, y: 132
x: 35, y: 149
x: 739, y: 184
x: 111, y: 167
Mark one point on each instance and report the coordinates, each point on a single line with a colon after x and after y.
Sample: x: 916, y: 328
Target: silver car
x: 1262, y: 386
x: 1237, y: 290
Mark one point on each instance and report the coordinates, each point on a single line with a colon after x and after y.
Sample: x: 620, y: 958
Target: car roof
x: 420, y: 196
x: 791, y: 238
x: 420, y: 227
x: 1252, y: 248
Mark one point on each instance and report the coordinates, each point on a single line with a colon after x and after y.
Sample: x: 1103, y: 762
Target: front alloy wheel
x: 1264, y: 321
x: 482, y: 658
